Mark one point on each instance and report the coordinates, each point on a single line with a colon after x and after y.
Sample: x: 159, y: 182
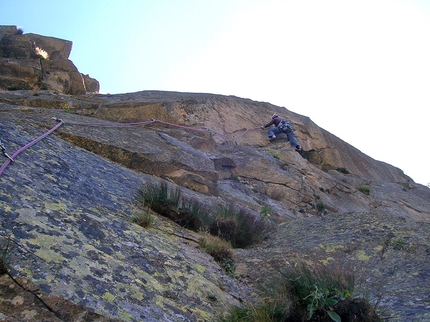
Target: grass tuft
x: 239, y: 226
x: 220, y: 250
x: 143, y: 218
x: 300, y: 293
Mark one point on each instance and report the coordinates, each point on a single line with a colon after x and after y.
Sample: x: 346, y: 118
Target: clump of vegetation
x: 342, y: 170
x: 238, y: 226
x: 229, y: 266
x: 227, y: 227
x: 320, y: 207
x: 143, y: 218
x: 166, y: 202
x: 220, y: 250
x: 198, y: 210
x: 274, y: 154
x: 398, y: 244
x: 304, y: 294
x: 364, y: 188
x: 266, y: 211
x: 317, y: 291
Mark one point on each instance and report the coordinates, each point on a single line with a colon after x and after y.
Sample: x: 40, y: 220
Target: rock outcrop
x: 67, y: 204
x: 34, y: 62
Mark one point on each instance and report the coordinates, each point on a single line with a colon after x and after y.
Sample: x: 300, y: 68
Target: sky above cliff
x: 359, y: 69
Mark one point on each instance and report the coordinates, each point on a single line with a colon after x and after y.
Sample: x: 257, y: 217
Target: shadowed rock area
x: 67, y: 204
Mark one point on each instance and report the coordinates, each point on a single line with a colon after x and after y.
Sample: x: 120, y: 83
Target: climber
x: 282, y: 126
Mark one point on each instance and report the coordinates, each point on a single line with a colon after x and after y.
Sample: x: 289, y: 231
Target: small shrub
x: 364, y: 189
x: 303, y: 294
x: 220, y: 250
x: 320, y: 206
x: 265, y: 212
x: 399, y: 244
x: 165, y: 201
x: 198, y: 210
x: 186, y: 219
x: 229, y: 266
x: 143, y: 218
x: 317, y: 291
x: 342, y: 170
x: 239, y: 226
x: 159, y: 198
x: 274, y: 154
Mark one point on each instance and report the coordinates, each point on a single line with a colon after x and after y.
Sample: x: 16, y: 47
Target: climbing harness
x: 11, y: 158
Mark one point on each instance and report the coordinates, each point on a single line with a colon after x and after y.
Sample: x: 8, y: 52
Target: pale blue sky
x: 358, y: 68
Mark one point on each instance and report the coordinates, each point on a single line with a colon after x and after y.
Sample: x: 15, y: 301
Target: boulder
x: 91, y: 84
x: 61, y: 75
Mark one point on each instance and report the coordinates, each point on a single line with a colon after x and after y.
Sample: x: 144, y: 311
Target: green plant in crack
x: 342, y: 170
x: 301, y: 293
x: 143, y: 218
x: 220, y: 250
x: 321, y: 299
x: 266, y: 211
x: 364, y: 188
x: 273, y: 153
x: 319, y: 204
x: 398, y: 244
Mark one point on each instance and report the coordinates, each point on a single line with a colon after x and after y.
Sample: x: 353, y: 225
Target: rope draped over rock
x: 9, y: 160
x: 129, y: 124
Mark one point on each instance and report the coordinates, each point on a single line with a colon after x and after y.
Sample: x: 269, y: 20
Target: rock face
x: 67, y: 204
x: 30, y: 61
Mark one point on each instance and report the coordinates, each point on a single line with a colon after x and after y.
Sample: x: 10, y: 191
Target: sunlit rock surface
x: 67, y: 203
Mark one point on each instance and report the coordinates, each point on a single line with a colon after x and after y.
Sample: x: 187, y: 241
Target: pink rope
x: 115, y: 125
x: 8, y: 161
x: 112, y: 124
x: 183, y: 126
x: 246, y: 131
x: 161, y: 122
x: 136, y: 124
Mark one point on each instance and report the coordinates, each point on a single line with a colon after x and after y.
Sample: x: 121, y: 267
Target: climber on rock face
x: 282, y: 126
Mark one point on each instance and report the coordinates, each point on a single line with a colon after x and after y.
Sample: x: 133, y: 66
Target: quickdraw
x: 3, y: 150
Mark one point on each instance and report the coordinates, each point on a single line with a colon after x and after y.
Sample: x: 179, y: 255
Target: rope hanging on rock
x: 131, y: 124
x: 162, y: 122
x: 13, y: 156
